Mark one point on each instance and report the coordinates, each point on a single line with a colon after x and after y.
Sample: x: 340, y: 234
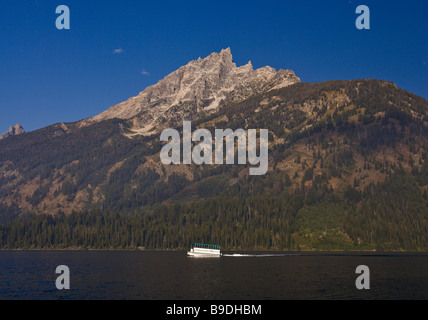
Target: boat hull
x: 203, y: 252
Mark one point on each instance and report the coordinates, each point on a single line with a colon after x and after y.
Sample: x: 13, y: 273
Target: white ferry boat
x: 204, y: 250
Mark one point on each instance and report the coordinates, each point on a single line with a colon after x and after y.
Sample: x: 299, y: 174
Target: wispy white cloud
x: 118, y: 51
x: 145, y: 73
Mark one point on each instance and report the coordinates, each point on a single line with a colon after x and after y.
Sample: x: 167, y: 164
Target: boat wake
x: 240, y: 255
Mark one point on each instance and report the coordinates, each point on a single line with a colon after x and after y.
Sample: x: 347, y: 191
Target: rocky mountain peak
x: 13, y: 131
x: 201, y: 85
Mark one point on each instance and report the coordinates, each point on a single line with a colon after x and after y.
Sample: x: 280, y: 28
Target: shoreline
x: 301, y: 252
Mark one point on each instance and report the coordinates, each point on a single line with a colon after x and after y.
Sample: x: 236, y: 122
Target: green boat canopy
x: 206, y: 245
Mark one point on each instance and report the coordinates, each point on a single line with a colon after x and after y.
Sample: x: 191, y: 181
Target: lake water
x: 163, y: 275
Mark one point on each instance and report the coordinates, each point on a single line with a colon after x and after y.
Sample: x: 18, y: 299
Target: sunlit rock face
x: 203, y: 85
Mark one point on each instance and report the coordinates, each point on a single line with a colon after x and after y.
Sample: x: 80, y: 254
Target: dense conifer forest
x: 387, y: 216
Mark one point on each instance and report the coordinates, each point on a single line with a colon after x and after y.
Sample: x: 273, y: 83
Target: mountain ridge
x: 201, y: 85
x: 348, y: 169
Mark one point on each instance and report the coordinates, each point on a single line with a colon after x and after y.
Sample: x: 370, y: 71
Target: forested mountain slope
x: 347, y: 169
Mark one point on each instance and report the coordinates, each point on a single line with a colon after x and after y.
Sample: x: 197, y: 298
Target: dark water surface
x: 173, y: 276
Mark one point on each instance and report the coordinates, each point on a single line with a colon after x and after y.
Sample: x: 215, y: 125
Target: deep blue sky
x: 49, y: 76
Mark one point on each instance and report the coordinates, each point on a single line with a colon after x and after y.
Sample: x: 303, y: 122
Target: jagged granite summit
x: 13, y: 131
x: 201, y: 85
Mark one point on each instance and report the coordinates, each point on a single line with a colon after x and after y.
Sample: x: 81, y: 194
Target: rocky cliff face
x: 203, y: 85
x: 13, y: 131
